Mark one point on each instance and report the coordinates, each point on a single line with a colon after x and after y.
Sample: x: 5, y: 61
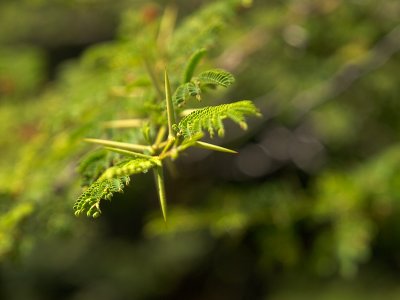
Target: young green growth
x: 216, y: 77
x: 199, y: 84
x: 108, y: 171
x: 210, y: 118
x: 192, y: 64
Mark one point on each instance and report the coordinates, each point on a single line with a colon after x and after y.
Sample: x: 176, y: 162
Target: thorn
x: 118, y: 145
x: 213, y: 147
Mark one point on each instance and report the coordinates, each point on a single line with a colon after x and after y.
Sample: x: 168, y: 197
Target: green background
x: 308, y: 209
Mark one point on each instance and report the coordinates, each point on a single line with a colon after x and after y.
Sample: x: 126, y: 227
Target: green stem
x: 160, y: 136
x: 160, y: 145
x: 170, y: 142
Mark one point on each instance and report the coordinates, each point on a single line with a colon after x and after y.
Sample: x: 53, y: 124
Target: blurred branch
x: 348, y: 74
x: 250, y: 43
x: 338, y: 83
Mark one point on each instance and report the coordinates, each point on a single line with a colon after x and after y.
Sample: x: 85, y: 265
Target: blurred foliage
x: 312, y: 197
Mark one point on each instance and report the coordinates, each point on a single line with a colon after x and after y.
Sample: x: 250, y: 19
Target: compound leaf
x: 129, y: 167
x: 113, y: 180
x: 93, y: 165
x: 210, y: 118
x: 192, y: 64
x: 89, y: 201
x: 216, y: 77
x: 184, y: 92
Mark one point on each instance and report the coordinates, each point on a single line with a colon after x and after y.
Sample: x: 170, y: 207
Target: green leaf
x: 93, y: 164
x: 210, y: 118
x: 192, y: 64
x: 216, y: 77
x: 184, y: 92
x: 129, y: 167
x: 194, y: 88
x: 89, y: 201
x: 113, y: 180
